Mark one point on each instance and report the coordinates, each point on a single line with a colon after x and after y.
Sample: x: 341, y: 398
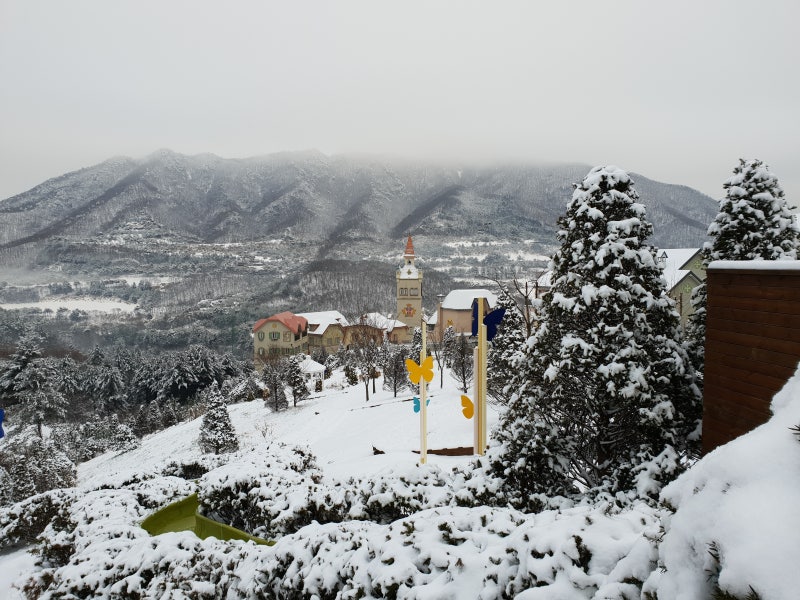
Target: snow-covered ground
x: 338, y: 425
x: 735, y: 523
x: 86, y: 304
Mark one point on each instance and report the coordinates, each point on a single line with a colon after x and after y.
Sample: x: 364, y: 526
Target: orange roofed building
x: 283, y: 334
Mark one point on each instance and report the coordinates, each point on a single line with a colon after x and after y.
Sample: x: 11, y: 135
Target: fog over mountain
x: 339, y: 206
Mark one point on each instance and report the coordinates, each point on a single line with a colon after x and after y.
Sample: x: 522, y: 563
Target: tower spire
x: 409, y: 253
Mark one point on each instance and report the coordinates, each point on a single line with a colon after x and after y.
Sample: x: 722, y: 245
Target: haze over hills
x: 330, y: 202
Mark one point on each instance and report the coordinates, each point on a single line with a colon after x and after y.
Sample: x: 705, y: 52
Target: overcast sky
x: 676, y: 91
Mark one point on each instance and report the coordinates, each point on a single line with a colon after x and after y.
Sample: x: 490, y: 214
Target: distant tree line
x: 63, y: 411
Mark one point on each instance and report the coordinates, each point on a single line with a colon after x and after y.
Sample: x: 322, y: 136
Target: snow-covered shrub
x: 269, y: 494
x: 274, y: 495
x: 101, y: 434
x: 22, y: 522
x: 398, y: 493
x: 241, y: 389
x: 90, y: 529
x: 194, y: 469
x: 453, y: 552
x: 732, y: 531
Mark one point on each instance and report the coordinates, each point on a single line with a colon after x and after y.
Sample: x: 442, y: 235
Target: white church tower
x: 409, y: 289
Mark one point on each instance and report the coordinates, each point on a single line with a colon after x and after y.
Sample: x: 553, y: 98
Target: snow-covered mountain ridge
x: 329, y: 202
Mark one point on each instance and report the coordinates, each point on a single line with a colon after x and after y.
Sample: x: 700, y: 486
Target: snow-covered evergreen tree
x: 754, y: 222
x: 506, y: 349
x: 70, y: 383
x: 97, y: 357
x: 217, y: 434
x: 176, y: 378
x: 416, y: 344
x: 296, y: 380
x: 606, y: 385
x: 395, y: 375
x: 28, y: 349
x: 148, y: 419
x: 274, y: 378
x: 40, y: 401
x: 108, y: 389
x: 121, y: 436
x: 34, y: 464
x: 448, y: 344
x: 169, y: 413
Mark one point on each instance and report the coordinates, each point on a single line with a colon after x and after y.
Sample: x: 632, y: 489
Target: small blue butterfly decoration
x: 417, y: 406
x: 2, y: 418
x: 492, y: 320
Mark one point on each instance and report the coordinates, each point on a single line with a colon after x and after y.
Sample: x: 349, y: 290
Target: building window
x: 260, y: 336
x: 404, y: 291
x: 274, y: 335
x: 414, y: 291
x: 287, y: 337
x: 261, y: 352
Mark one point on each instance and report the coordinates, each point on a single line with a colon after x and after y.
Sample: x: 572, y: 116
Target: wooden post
x: 479, y: 440
x: 423, y: 408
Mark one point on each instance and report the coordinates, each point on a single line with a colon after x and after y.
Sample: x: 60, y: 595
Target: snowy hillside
x: 734, y: 525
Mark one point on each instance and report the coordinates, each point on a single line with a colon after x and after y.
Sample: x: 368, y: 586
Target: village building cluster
x: 288, y: 334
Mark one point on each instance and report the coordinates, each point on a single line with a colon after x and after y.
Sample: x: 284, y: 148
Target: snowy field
x: 735, y: 523
x: 338, y: 426
x: 85, y: 304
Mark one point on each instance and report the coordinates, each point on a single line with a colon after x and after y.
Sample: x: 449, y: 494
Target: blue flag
x: 2, y: 418
x: 492, y: 320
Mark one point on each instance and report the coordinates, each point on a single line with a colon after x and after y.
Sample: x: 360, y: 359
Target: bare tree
x: 462, y: 363
x: 438, y: 346
x: 525, y: 294
x: 364, y: 340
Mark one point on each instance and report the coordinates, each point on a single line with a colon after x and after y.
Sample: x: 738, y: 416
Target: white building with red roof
x: 284, y: 334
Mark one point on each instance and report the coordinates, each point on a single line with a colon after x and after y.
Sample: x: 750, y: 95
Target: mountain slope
x: 328, y: 201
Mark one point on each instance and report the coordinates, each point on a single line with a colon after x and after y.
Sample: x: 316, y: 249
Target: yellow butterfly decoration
x: 469, y: 407
x: 416, y: 371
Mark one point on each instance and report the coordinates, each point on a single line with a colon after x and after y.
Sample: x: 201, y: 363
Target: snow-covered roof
x: 409, y: 272
x: 462, y: 299
x: 545, y: 279
x: 672, y: 261
x: 757, y: 265
x: 320, y: 321
x: 309, y: 365
x: 380, y: 321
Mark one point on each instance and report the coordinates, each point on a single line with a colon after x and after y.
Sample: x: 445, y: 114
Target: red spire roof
x: 409, y: 249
